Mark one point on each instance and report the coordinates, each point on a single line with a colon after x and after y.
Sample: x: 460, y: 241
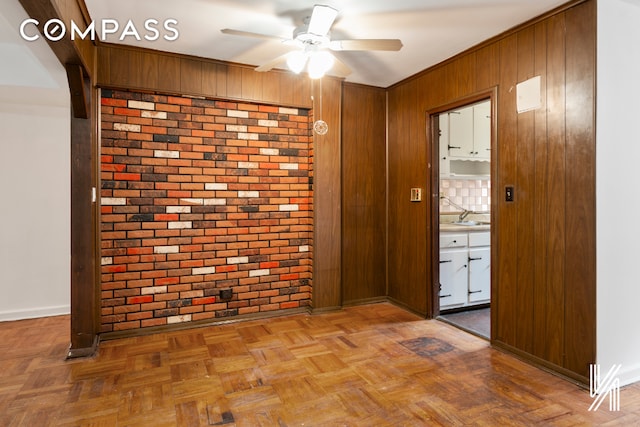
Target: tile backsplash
x: 473, y: 194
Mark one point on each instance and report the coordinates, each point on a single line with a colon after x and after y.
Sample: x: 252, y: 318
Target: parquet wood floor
x: 374, y: 365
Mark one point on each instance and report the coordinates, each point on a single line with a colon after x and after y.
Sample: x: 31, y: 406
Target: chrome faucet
x: 463, y: 215
x: 465, y: 211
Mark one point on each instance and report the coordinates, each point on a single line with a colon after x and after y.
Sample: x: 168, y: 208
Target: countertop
x: 450, y: 227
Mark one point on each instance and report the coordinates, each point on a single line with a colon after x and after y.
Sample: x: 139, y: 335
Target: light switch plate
x: 416, y: 194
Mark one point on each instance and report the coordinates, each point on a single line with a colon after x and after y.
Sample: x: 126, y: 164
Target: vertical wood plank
x: 286, y: 88
x: 169, y: 73
x: 149, y: 70
x: 507, y: 215
x: 301, y: 89
x: 135, y: 69
x: 221, y: 79
x: 465, y: 75
x: 541, y: 209
x: 487, y: 72
x: 271, y: 88
x: 234, y: 82
x: 119, y: 67
x: 209, y: 79
x: 190, y: 76
x: 252, y: 82
x: 103, y: 76
x: 580, y: 278
x: 327, y: 201
x: 525, y: 169
x: 556, y: 231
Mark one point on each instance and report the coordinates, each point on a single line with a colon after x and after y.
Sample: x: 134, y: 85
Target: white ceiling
x: 431, y: 30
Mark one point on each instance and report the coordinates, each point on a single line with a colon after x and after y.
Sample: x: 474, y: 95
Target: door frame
x: 433, y: 143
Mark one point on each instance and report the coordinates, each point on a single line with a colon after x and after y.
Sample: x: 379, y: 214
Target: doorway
x: 462, y: 136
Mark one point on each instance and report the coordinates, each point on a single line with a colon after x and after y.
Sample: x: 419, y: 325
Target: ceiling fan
x: 314, y: 44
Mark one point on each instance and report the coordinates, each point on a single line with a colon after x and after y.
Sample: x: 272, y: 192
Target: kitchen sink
x: 467, y: 223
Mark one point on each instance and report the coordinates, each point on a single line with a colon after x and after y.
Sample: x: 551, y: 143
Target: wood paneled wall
x: 143, y: 69
x: 363, y: 193
x: 327, y: 168
x: 543, y: 279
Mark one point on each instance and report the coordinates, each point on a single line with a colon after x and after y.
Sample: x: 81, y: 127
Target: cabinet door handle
x: 451, y: 146
x: 474, y: 292
x: 474, y: 259
x: 446, y: 260
x: 444, y: 296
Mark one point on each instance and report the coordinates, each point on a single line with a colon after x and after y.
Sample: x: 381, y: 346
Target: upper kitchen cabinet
x: 465, y: 140
x: 461, y: 133
x: 482, y: 131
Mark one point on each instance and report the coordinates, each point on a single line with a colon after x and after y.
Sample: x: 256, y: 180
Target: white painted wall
x: 34, y: 175
x: 618, y: 187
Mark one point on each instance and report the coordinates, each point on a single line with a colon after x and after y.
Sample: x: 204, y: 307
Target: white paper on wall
x: 528, y: 95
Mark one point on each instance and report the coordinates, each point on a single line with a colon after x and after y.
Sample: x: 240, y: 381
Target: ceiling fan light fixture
x: 297, y: 61
x: 319, y: 63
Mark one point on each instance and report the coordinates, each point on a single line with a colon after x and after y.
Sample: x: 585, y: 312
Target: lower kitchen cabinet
x: 453, y: 277
x: 465, y: 269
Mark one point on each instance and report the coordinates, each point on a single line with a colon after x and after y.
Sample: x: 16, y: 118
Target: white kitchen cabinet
x: 479, y: 275
x: 461, y: 133
x: 465, y: 134
x: 465, y: 269
x: 453, y: 278
x: 482, y: 131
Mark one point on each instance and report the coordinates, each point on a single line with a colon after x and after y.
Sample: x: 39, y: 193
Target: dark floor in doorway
x: 477, y: 321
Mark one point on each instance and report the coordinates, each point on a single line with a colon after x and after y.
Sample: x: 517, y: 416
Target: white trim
x: 629, y: 375
x: 34, y: 313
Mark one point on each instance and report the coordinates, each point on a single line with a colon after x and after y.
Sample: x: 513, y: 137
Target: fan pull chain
x: 320, y: 126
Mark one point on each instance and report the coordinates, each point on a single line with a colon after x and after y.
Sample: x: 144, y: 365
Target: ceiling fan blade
x: 250, y: 34
x: 366, y: 44
x: 322, y: 19
x: 339, y: 69
x: 268, y: 66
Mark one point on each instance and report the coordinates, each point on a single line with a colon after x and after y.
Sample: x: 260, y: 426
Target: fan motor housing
x: 303, y: 35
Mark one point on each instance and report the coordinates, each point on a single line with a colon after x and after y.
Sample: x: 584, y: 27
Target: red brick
x: 126, y: 112
x: 114, y: 102
x: 269, y: 264
x: 175, y: 100
x: 126, y: 177
x: 166, y: 217
x: 114, y: 268
x: 204, y: 300
x: 140, y: 299
x: 290, y: 304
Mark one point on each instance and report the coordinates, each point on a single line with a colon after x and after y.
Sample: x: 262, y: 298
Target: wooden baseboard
x: 542, y: 364
x: 406, y: 307
x: 326, y: 309
x: 365, y: 301
x: 105, y: 336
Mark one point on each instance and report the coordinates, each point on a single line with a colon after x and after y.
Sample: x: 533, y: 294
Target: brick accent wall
x: 200, y: 196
